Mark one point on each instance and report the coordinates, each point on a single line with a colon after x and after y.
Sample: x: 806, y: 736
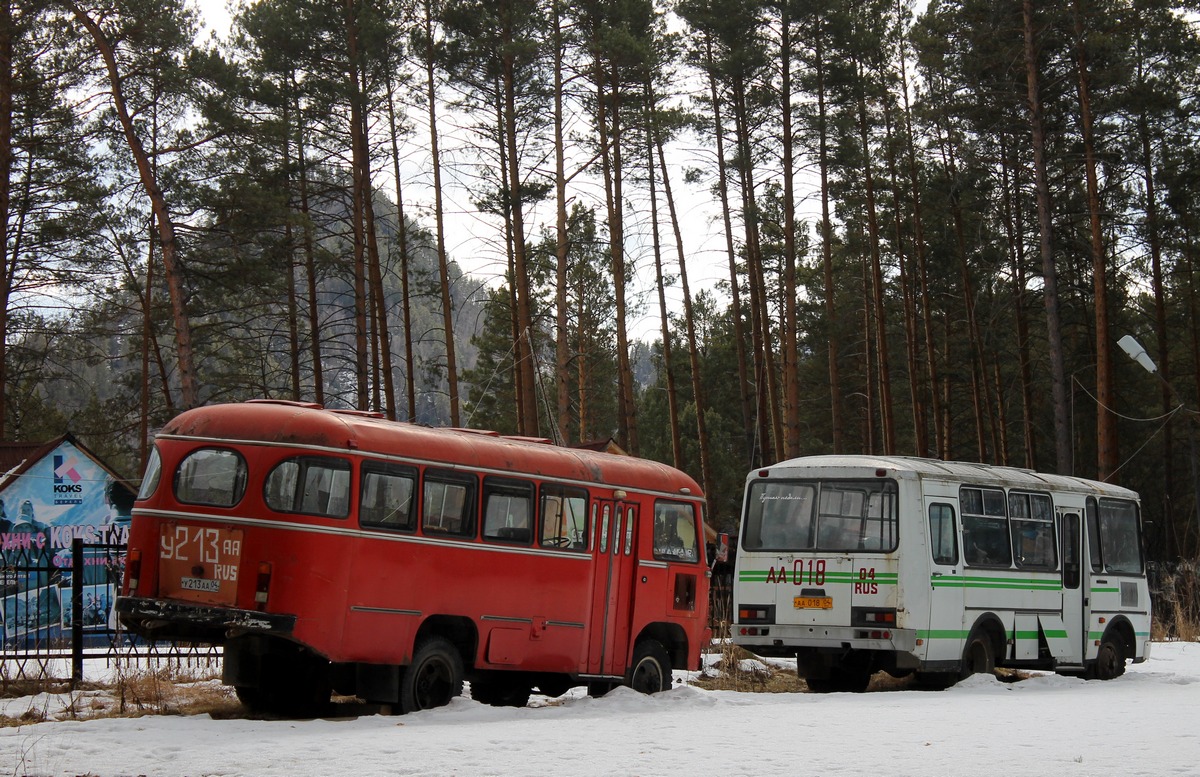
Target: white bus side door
x: 944, y: 635
x: 1074, y: 592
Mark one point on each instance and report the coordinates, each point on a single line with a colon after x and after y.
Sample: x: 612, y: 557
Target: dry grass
x: 1175, y: 595
x: 739, y: 670
x: 132, y: 693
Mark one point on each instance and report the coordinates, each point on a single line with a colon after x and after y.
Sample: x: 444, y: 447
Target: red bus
x: 332, y: 550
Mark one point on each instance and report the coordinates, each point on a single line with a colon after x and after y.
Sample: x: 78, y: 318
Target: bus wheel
x: 598, y: 688
x: 253, y: 698
x: 840, y: 680
x: 500, y: 692
x: 292, y: 684
x: 650, y: 671
x: 434, y: 677
x: 979, y: 656
x: 1110, y: 659
x: 555, y: 686
x: 934, y: 681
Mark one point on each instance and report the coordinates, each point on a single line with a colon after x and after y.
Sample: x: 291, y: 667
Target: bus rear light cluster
x: 872, y: 616
x: 754, y: 631
x: 263, y: 584
x: 133, y: 569
x: 756, y: 613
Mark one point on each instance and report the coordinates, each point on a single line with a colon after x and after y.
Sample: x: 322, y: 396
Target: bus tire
x: 500, y: 692
x: 1110, y: 658
x: 434, y: 677
x: 934, y: 681
x: 555, y: 686
x: 841, y: 680
x: 598, y: 688
x: 979, y: 654
x: 650, y: 670
x: 292, y: 683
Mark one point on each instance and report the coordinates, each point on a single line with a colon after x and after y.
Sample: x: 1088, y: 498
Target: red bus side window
x: 211, y: 476
x: 313, y: 485
x: 507, y: 510
x: 386, y: 496
x: 564, y: 518
x: 448, y: 504
x: 675, y: 531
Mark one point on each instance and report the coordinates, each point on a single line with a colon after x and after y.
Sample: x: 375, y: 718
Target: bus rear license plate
x: 813, y: 602
x: 199, y: 563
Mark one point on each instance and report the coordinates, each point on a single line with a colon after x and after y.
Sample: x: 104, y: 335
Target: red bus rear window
x: 211, y: 476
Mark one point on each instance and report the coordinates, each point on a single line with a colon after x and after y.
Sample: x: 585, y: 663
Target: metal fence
x: 58, y: 613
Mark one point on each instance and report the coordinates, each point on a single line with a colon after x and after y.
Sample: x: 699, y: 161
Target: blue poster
x: 64, y: 495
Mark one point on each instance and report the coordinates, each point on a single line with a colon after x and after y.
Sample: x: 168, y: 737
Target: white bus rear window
x: 830, y: 515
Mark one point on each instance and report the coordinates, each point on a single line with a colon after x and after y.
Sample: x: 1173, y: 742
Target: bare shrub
x: 1175, y: 595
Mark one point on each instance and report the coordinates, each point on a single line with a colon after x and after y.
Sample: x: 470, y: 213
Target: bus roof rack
x: 287, y: 402
x: 357, y: 413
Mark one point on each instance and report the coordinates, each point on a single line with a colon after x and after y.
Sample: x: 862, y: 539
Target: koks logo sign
x: 68, y: 485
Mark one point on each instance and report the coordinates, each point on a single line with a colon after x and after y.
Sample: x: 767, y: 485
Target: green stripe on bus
x: 1106, y: 590
x: 941, y: 634
x: 962, y: 634
x: 996, y: 582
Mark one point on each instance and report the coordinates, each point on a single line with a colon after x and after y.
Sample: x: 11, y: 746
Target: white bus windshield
x: 820, y: 515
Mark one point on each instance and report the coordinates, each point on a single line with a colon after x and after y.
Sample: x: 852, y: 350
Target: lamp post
x: 1135, y: 351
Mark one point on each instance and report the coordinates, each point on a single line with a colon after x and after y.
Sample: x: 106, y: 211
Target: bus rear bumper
x: 785, y: 640
x: 171, y: 619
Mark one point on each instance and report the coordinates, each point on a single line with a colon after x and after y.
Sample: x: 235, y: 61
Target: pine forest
x: 721, y: 233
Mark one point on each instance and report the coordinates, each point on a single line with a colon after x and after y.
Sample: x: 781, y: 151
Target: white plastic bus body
x: 856, y: 564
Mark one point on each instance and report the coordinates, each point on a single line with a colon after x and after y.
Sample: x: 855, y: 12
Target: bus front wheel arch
x: 650, y: 669
x: 434, y: 677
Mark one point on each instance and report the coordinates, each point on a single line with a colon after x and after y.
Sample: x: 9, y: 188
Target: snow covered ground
x: 1145, y: 723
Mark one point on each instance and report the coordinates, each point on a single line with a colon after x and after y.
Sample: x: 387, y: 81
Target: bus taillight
x: 133, y: 568
x: 263, y: 584
x: 753, y: 613
x: 869, y: 616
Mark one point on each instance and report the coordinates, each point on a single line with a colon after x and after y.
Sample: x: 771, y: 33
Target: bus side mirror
x: 722, y: 547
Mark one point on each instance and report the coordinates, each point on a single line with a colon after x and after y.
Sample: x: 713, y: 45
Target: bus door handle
x: 937, y: 574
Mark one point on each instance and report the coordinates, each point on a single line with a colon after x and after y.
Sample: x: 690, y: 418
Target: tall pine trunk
x: 735, y: 305
x: 1107, y: 456
x: 188, y: 383
x: 439, y: 217
x: 410, y: 388
x: 1058, y: 372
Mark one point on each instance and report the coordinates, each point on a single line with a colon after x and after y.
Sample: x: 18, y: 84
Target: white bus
x: 856, y: 564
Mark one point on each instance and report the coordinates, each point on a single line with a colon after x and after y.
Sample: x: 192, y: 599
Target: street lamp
x: 1134, y: 349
